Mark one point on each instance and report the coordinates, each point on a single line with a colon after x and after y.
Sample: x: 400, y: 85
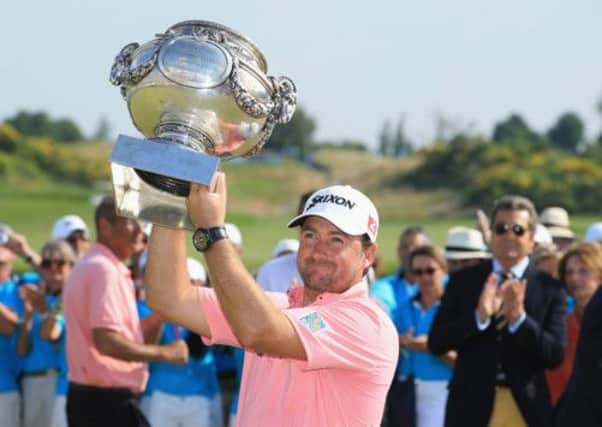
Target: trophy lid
x: 243, y: 40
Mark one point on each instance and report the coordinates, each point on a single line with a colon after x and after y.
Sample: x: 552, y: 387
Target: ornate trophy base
x: 143, y: 168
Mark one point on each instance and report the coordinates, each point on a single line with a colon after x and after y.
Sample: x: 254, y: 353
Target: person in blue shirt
x: 392, y: 292
x: 239, y: 355
x: 183, y: 395
x: 10, y: 313
x: 432, y: 373
x: 41, y: 362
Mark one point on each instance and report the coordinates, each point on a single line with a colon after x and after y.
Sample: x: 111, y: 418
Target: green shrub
x: 9, y: 137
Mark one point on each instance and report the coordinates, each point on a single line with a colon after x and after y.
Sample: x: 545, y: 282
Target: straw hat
x: 465, y: 243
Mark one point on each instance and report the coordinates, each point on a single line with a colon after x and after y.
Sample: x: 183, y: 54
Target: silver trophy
x: 198, y: 93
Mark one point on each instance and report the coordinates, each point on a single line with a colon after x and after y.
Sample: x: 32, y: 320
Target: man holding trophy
x: 325, y: 355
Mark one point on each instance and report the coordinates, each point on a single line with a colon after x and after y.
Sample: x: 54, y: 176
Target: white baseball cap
x: 196, y: 271
x: 285, y: 245
x: 147, y: 229
x: 234, y: 234
x: 64, y: 226
x: 594, y: 232
x: 345, y: 207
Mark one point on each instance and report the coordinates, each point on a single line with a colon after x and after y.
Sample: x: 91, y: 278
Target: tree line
x: 558, y: 166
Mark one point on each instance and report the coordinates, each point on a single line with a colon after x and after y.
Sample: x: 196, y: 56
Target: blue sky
x: 355, y: 63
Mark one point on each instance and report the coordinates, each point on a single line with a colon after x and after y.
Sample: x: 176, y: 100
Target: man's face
x: 79, y: 242
x: 563, y: 243
x: 6, y: 264
x: 511, y: 236
x: 328, y: 259
x: 406, y: 245
x: 458, y: 264
x: 124, y: 235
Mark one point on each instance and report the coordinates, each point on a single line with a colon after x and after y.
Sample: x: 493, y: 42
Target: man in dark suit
x: 582, y: 402
x: 507, y: 322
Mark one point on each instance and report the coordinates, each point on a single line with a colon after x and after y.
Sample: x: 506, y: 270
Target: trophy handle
x: 285, y: 95
x: 243, y: 98
x: 122, y: 74
x: 280, y: 108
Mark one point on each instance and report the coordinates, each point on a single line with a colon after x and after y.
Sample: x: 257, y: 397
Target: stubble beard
x: 317, y: 282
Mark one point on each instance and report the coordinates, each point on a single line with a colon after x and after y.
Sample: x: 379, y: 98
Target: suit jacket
x: 582, y: 402
x: 538, y: 344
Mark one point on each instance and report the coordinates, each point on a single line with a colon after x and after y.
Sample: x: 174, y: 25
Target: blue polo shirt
x: 43, y: 354
x: 196, y: 378
x: 239, y: 355
x: 425, y: 365
x: 62, y: 382
x: 392, y: 292
x: 9, y: 361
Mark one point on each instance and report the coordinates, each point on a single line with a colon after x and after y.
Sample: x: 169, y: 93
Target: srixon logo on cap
x: 330, y: 198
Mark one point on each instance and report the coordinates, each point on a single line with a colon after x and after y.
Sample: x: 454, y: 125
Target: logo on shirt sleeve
x: 313, y: 321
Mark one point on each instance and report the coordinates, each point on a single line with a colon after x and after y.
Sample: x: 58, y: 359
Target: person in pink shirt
x: 323, y: 356
x: 106, y: 352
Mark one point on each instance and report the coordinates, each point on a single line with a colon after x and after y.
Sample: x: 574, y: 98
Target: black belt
x: 84, y: 388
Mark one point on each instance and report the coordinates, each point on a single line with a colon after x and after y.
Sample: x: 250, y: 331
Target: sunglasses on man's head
x: 420, y: 271
x: 501, y: 228
x: 47, y: 263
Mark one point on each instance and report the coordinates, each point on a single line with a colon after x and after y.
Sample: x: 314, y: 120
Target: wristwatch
x: 203, y: 238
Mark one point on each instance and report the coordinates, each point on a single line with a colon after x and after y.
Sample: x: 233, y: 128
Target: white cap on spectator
x: 465, y: 243
x: 557, y: 221
x: 148, y: 227
x: 542, y: 235
x: 196, y: 271
x: 345, y: 207
x: 285, y: 246
x: 234, y: 234
x: 64, y: 226
x: 594, y: 232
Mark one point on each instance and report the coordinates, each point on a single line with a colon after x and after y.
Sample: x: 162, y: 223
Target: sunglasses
x: 47, y: 263
x: 501, y: 228
x: 420, y: 271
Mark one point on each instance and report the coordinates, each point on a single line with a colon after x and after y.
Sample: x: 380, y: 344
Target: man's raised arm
x: 251, y: 315
x: 169, y: 291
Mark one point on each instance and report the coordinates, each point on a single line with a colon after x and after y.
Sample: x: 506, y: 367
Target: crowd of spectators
x: 501, y: 326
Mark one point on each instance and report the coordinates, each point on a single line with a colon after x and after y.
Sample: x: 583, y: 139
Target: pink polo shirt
x: 352, y: 351
x: 100, y: 294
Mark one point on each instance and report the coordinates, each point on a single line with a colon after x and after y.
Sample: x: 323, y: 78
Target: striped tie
x: 500, y: 320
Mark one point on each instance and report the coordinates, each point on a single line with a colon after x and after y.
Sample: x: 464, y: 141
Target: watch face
x: 200, y: 240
